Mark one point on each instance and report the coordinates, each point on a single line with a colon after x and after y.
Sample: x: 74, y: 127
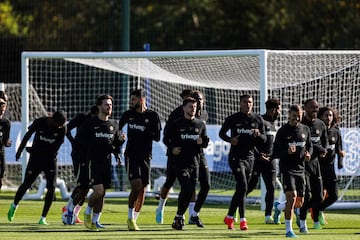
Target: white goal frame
x: 263, y: 77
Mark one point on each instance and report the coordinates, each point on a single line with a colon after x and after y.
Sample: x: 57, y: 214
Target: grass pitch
x: 344, y: 224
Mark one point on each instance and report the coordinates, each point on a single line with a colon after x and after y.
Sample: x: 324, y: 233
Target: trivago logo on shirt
x: 244, y: 131
x: 270, y: 133
x: 331, y: 146
x: 189, y: 136
x: 136, y: 127
x: 48, y: 140
x: 104, y: 135
x: 315, y: 139
x: 298, y: 144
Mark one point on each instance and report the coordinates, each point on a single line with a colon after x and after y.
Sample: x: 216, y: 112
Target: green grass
x: 342, y: 224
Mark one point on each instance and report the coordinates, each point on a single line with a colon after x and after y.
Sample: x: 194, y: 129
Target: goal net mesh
x: 331, y: 77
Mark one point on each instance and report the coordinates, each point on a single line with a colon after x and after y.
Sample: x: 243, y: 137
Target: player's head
x: 137, y: 98
x: 199, y: 96
x: 246, y: 103
x: 295, y: 115
x: 59, y: 118
x: 2, y: 105
x: 104, y: 104
x: 311, y: 108
x: 329, y: 116
x: 189, y: 107
x: 3, y: 95
x: 185, y: 93
x: 273, y: 107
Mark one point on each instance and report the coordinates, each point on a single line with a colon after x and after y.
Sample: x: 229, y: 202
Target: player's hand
x: 123, y: 136
x: 292, y: 149
x: 307, y: 156
x: 342, y: 153
x: 234, y: 140
x: 256, y: 132
x: 8, y: 143
x: 199, y: 141
x: 118, y: 159
x: 323, y: 154
x: 176, y: 151
x: 264, y: 157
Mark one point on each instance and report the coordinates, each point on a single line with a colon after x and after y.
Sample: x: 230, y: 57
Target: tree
x: 12, y: 24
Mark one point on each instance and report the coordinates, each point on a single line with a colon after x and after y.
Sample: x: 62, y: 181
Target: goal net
x: 72, y: 81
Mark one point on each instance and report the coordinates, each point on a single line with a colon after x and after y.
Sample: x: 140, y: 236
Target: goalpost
x: 72, y: 80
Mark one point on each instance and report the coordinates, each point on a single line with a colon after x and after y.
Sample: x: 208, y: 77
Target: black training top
x: 48, y: 138
x: 270, y: 132
x: 184, y: 133
x: 76, y: 122
x: 5, y: 126
x: 300, y: 137
x: 242, y: 125
x: 101, y: 138
x: 335, y: 146
x: 142, y: 129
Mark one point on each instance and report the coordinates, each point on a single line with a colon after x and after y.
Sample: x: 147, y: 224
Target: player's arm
x: 70, y: 126
x: 118, y: 141
x: 168, y: 133
x: 324, y: 142
x: 171, y: 141
x: 309, y: 148
x: 281, y: 146
x: 172, y: 117
x: 204, y: 137
x: 224, y: 129
x: 156, y: 128
x: 59, y: 140
x: 123, y: 120
x: 339, y: 150
x: 259, y: 133
x: 25, y: 139
x: 7, y: 134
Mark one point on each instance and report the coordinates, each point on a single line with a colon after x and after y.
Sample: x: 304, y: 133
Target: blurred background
x: 110, y: 25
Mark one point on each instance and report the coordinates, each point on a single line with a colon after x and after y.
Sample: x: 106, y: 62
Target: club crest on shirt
x: 111, y: 128
x: 146, y: 120
x: 333, y: 139
x: 55, y: 134
x: 197, y: 130
x: 317, y: 131
x: 303, y: 135
x: 253, y: 125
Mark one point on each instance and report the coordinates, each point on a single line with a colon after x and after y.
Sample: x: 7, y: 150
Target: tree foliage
x: 177, y: 25
x: 12, y: 24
